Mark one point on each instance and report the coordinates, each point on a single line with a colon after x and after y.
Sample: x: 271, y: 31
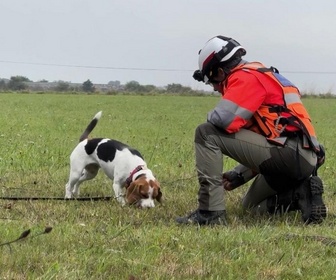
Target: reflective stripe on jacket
x: 260, y: 99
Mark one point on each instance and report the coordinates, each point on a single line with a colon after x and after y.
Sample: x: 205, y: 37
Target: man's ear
x: 226, y: 71
x: 222, y: 73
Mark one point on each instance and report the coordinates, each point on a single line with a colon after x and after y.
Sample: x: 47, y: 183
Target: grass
x: 101, y: 240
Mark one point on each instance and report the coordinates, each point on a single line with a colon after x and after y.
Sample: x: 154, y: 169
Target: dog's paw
x: 121, y: 200
x: 68, y: 196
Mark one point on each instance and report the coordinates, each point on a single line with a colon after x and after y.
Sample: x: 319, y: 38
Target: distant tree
x: 22, y: 78
x: 177, y: 88
x: 149, y: 88
x: 43, y: 81
x: 114, y: 84
x: 62, y: 86
x: 133, y: 86
x: 2, y: 84
x: 87, y: 86
x: 18, y: 83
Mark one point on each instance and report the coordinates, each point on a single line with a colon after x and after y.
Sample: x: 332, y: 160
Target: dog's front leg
x: 119, y: 194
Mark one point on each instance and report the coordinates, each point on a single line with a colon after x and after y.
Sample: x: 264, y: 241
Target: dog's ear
x: 157, y: 194
x: 132, y: 193
x: 136, y: 191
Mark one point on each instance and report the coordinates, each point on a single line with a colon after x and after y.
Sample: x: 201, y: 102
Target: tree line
x: 21, y: 83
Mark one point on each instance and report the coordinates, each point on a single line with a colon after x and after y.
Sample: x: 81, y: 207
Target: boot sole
x: 318, y: 208
x: 218, y: 221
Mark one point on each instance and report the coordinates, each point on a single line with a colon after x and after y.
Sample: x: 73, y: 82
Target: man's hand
x: 232, y: 180
x: 320, y: 157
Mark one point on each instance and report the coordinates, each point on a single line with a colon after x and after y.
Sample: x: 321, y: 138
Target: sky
x: 156, y: 42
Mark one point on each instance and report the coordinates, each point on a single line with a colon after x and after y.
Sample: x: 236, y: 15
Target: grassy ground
x: 101, y: 240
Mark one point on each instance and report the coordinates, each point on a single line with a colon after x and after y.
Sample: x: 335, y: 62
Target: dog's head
x: 143, y: 191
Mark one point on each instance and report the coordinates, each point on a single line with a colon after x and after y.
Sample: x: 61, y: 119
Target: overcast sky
x: 157, y: 42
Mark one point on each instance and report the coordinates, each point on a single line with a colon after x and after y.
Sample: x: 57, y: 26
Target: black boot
x: 282, y: 203
x: 309, y: 199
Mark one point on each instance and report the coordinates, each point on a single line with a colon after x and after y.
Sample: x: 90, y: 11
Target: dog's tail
x: 90, y: 127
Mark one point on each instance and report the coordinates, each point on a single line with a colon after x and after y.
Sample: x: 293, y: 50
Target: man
x: 261, y: 123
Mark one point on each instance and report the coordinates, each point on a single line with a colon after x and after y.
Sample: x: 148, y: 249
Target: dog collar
x: 129, y: 179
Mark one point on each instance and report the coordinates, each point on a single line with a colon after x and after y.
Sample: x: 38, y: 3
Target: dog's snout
x: 147, y: 203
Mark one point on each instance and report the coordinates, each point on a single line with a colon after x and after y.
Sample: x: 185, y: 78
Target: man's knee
x: 203, y: 130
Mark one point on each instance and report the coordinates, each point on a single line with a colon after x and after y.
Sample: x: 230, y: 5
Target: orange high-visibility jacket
x: 260, y: 99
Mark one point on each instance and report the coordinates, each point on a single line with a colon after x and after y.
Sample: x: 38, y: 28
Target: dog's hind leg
x: 77, y: 177
x: 88, y: 173
x: 73, y: 180
x: 70, y: 186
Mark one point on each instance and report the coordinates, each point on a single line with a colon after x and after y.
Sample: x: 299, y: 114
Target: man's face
x: 217, y: 87
x: 217, y: 81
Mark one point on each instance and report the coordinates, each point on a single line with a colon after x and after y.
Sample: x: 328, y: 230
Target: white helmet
x: 218, y: 49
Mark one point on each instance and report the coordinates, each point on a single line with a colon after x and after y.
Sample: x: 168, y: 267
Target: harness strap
x: 293, y: 121
x: 277, y: 109
x: 270, y: 69
x: 296, y: 122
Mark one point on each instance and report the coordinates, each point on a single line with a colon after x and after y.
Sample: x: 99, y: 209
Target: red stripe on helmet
x: 208, y: 59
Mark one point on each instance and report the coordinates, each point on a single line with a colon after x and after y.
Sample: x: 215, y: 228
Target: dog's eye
x: 145, y: 195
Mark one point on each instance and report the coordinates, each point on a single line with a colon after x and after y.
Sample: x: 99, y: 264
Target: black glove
x: 232, y: 180
x: 320, y: 157
x: 198, y: 76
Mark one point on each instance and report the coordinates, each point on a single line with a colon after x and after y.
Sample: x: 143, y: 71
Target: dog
x: 133, y: 182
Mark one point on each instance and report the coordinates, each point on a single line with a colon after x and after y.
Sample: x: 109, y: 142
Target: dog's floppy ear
x: 157, y: 194
x: 136, y: 191
x: 132, y: 193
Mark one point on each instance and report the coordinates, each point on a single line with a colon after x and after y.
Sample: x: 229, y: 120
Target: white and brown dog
x: 121, y: 163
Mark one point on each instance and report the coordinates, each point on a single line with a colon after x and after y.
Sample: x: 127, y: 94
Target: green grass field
x: 102, y: 240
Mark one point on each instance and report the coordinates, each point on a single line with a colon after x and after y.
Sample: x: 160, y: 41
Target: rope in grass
x: 95, y: 198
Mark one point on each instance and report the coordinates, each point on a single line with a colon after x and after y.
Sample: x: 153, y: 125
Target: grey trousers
x: 278, y: 167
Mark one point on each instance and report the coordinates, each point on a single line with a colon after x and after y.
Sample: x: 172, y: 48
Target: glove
x: 232, y: 180
x: 320, y: 160
x: 320, y: 157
